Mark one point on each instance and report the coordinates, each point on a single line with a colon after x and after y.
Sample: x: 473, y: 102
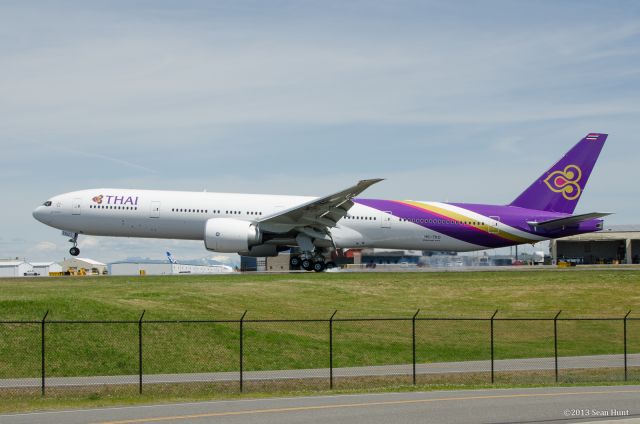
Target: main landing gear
x: 310, y: 259
x: 310, y: 263
x: 74, y: 251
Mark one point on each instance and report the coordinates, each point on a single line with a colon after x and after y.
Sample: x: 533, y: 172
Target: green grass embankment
x: 101, y: 349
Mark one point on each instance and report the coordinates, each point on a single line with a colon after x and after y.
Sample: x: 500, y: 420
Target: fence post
x: 625, y: 345
x: 331, y: 349
x: 42, y: 354
x: 413, y: 333
x: 242, y: 351
x: 492, y: 349
x: 555, y: 342
x: 140, y: 352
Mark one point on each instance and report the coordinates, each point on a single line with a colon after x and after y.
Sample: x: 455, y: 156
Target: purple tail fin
x: 559, y: 188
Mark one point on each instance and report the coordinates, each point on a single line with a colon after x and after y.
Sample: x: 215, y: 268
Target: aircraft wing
x: 321, y: 213
x: 553, y: 224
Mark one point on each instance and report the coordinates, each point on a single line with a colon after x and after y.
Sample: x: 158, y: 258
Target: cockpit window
x: 47, y: 203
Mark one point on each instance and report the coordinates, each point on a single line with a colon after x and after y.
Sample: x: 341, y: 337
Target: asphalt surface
x: 541, y: 405
x: 528, y: 364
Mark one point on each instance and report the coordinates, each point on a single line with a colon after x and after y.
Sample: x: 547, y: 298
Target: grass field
x: 112, y: 349
x: 539, y: 293
x: 108, y: 349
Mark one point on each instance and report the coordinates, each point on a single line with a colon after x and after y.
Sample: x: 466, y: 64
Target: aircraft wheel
x: 74, y: 251
x: 307, y: 264
x: 294, y: 261
x: 318, y: 266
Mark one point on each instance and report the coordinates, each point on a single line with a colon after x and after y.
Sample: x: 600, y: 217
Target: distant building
x: 278, y: 263
x: 164, y: 268
x: 15, y: 268
x: 390, y: 257
x: 89, y: 266
x: 619, y: 244
x: 44, y: 268
x: 251, y: 263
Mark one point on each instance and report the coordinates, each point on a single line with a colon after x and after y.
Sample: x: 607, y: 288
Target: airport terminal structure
x: 618, y: 244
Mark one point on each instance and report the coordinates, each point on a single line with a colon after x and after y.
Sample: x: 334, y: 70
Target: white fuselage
x: 183, y: 215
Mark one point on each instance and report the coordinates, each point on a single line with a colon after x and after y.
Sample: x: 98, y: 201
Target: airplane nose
x: 39, y: 214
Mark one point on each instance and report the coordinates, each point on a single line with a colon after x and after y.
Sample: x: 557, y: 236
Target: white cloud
x: 151, y: 79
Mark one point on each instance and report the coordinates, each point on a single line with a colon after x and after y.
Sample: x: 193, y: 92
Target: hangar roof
x: 90, y: 261
x: 622, y: 228
x: 613, y: 232
x: 11, y: 263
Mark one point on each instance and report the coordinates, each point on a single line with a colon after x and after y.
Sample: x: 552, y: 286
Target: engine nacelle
x: 229, y: 235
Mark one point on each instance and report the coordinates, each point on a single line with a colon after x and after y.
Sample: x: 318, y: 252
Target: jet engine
x: 229, y: 235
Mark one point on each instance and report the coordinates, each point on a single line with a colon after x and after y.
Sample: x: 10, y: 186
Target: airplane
x: 171, y: 260
x: 263, y: 225
x: 219, y: 268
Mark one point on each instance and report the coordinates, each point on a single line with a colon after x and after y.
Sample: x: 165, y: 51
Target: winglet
x: 355, y: 190
x: 365, y: 184
x: 370, y: 181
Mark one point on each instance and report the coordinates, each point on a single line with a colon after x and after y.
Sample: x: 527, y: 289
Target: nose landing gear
x: 74, y: 251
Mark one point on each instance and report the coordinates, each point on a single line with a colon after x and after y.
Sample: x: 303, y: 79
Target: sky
x: 449, y: 101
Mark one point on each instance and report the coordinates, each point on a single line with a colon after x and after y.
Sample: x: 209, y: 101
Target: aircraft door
x: 76, y: 206
x: 155, y: 210
x: 493, y: 226
x: 385, y: 219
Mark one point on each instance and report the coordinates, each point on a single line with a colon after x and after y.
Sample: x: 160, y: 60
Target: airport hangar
x: 618, y: 244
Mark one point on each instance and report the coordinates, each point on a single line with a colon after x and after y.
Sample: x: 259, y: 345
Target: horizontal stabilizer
x: 553, y: 224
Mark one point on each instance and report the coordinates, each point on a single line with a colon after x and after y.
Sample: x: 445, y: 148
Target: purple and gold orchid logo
x: 566, y: 182
x: 98, y: 199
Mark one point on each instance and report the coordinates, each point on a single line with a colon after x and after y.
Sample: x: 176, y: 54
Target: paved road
x: 529, y: 364
x: 548, y: 405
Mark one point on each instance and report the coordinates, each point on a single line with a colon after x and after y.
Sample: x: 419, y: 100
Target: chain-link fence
x: 49, y: 357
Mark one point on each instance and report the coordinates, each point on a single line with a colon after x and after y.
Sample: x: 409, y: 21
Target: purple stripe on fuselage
x: 512, y: 216
x: 467, y: 233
